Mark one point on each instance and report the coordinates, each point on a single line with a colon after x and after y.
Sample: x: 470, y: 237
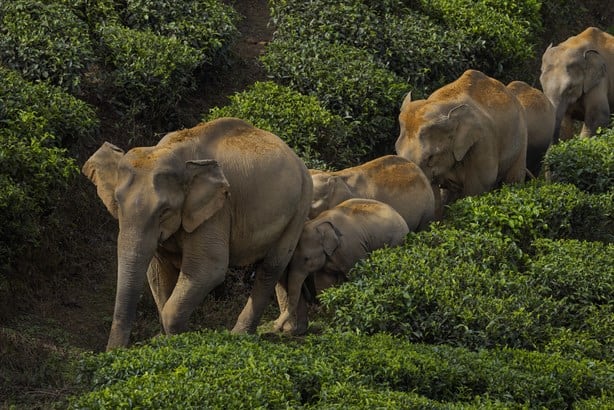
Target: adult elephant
x: 331, y: 244
x: 199, y: 200
x: 391, y: 179
x: 540, y: 117
x: 578, y: 77
x: 467, y: 136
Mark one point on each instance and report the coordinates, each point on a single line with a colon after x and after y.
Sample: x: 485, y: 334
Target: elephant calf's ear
x: 206, y: 192
x: 329, y: 237
x: 101, y: 169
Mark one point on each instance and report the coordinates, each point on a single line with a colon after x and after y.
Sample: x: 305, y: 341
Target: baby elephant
x: 332, y: 243
x: 391, y: 179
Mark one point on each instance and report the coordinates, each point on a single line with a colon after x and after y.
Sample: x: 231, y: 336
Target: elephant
x: 578, y: 77
x: 391, y: 179
x: 468, y: 136
x: 331, y: 244
x: 540, y: 117
x: 199, y: 200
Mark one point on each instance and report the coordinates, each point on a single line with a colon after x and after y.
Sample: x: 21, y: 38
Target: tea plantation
x: 506, y: 303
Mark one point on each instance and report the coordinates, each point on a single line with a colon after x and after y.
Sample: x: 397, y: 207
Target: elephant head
x: 328, y: 191
x: 318, y: 243
x: 436, y: 135
x: 153, y: 194
x: 574, y: 78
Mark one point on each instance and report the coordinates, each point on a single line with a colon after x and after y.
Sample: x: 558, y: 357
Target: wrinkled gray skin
x: 467, y: 137
x: 578, y: 77
x: 391, y: 179
x: 540, y: 117
x: 199, y: 200
x: 331, y: 244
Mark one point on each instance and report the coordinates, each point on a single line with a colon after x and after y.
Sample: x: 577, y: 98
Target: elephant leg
x: 267, y: 275
x: 281, y: 291
x: 293, y: 318
x: 203, y: 267
x: 162, y: 278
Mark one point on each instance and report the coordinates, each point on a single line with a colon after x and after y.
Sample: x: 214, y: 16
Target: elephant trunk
x: 132, y: 264
x: 560, y: 110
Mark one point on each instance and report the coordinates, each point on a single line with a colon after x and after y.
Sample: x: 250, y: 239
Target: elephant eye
x: 165, y: 213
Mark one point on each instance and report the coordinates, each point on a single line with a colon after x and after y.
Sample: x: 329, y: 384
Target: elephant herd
x: 225, y: 193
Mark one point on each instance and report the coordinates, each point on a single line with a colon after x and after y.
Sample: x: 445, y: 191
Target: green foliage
x: 509, y: 28
x: 316, y: 135
x: 44, y: 41
x: 348, y: 81
x: 152, y: 72
x: 66, y: 117
x: 205, y: 25
x: 35, y: 120
x: 534, y: 210
x: 588, y: 163
x: 485, y: 277
x: 332, y: 371
x: 32, y: 176
x: 410, y: 43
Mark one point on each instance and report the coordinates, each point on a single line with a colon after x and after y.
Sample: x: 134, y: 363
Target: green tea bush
x: 148, y: 73
x: 588, y: 163
x: 445, y: 286
x: 486, y: 276
x: 32, y: 175
x: 509, y: 29
x: 44, y: 41
x: 67, y: 118
x: 316, y: 135
x: 348, y: 81
x: 36, y: 120
x: 94, y: 13
x: 534, y: 210
x: 332, y: 371
x: 205, y: 25
x: 409, y: 43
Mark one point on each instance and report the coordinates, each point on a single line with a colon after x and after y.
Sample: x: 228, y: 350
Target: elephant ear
x: 329, y: 237
x: 464, y: 124
x: 406, y: 101
x: 206, y: 192
x: 338, y: 190
x: 595, y: 69
x: 101, y: 169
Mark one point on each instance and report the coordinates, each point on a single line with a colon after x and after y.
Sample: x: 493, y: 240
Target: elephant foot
x: 281, y: 322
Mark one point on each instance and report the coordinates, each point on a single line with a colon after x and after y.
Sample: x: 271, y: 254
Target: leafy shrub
x: 35, y: 119
x: 349, y: 82
x: 94, y: 13
x: 64, y: 116
x: 148, y: 73
x: 333, y: 371
x: 205, y: 25
x: 44, y: 41
x: 588, y: 163
x: 32, y: 176
x: 316, y: 135
x: 446, y: 286
x: 472, y: 281
x: 410, y: 43
x: 509, y: 29
x: 534, y: 210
